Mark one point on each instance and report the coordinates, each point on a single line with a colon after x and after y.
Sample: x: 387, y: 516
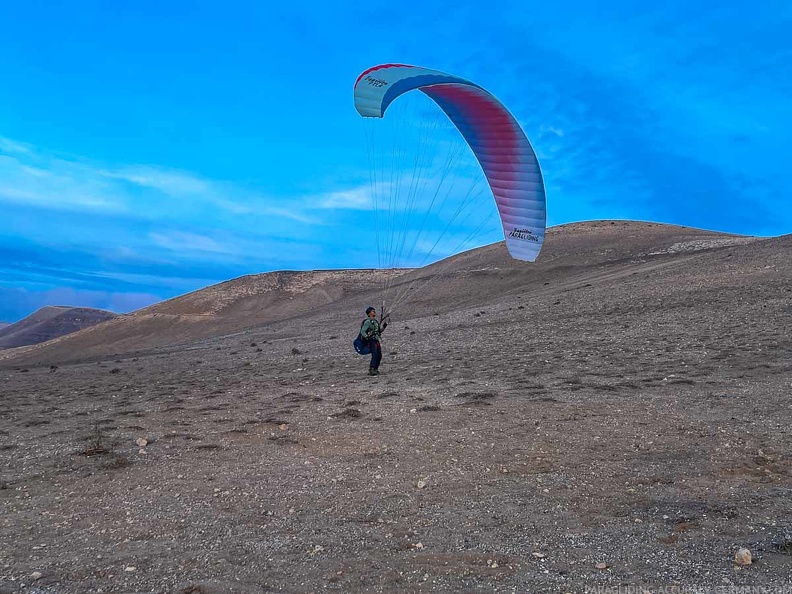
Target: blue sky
x: 148, y: 149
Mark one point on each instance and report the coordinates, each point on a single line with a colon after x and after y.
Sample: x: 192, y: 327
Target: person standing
x: 370, y: 330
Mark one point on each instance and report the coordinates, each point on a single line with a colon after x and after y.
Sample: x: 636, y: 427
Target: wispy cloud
x: 11, y: 146
x: 180, y: 241
x: 355, y: 198
x: 171, y: 183
x: 35, y: 177
x: 55, y: 184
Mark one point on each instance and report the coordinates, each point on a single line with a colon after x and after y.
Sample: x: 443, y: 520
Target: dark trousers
x: 376, y: 354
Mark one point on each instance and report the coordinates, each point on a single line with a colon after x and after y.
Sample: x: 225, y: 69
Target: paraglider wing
x: 496, y: 139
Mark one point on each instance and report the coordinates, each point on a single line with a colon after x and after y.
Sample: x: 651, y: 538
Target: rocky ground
x: 628, y: 427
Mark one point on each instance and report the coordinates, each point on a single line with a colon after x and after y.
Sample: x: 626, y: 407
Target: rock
x: 130, y: 568
x: 36, y: 575
x: 141, y: 441
x: 421, y: 484
x: 743, y: 557
x: 601, y: 566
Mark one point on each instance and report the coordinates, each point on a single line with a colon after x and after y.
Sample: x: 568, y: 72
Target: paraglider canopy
x: 492, y: 133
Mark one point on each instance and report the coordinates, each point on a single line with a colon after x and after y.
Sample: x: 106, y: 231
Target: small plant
x: 428, y: 408
x: 98, y: 442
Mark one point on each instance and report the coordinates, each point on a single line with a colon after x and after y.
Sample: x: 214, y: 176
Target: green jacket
x: 371, y: 328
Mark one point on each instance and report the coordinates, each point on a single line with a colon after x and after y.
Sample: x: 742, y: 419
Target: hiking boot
x: 373, y: 371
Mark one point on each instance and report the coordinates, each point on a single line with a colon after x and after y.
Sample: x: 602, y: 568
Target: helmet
x: 369, y: 309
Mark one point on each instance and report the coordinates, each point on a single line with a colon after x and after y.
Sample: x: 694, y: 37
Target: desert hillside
x: 50, y: 322
x: 615, y: 415
x: 573, y: 255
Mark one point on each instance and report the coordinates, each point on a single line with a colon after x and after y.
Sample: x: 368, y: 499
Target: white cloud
x: 295, y: 214
x: 29, y: 176
x: 172, y: 183
x: 11, y: 146
x: 545, y: 129
x: 180, y: 241
x: 356, y: 199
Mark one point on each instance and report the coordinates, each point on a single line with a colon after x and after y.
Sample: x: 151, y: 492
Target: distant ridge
x: 50, y: 322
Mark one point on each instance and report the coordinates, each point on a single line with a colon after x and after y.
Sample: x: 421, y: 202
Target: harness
x: 374, y: 331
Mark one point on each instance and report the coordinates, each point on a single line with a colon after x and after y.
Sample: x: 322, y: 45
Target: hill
x: 573, y: 255
x: 48, y: 323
